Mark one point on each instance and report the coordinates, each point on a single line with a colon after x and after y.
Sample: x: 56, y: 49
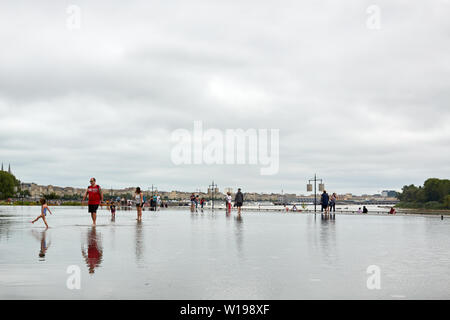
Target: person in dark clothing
x: 239, y: 200
x: 151, y: 204
x: 365, y: 209
x: 324, y: 200
x: 192, y: 202
x: 202, y: 202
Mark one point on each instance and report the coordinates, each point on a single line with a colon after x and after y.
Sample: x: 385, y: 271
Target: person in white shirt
x: 228, y: 199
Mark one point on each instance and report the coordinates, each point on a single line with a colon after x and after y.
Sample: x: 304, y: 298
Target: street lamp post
x: 156, y: 188
x: 309, y: 188
x: 213, y: 193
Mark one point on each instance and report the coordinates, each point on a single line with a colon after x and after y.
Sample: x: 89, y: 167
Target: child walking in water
x: 112, y: 208
x: 228, y: 202
x: 44, y: 209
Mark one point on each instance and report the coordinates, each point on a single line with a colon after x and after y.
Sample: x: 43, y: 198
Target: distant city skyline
x: 205, y: 188
x: 37, y: 191
x: 223, y: 188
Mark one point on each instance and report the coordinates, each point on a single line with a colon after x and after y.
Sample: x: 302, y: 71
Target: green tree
x: 51, y: 196
x: 436, y: 189
x: 71, y: 197
x: 9, y: 185
x: 447, y: 202
x: 24, y: 194
x: 411, y: 193
x: 434, y: 193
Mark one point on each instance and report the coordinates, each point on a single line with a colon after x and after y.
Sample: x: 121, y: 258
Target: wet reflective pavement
x: 176, y: 254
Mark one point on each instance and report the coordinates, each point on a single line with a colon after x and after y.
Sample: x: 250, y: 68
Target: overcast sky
x: 367, y: 109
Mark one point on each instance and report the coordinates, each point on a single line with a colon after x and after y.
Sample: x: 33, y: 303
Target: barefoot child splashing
x: 44, y: 209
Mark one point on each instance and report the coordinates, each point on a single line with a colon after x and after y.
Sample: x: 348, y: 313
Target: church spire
x: 2, y: 166
x: 9, y: 168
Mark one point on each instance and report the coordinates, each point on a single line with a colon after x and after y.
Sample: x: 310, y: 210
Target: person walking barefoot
x: 324, y: 200
x: 333, y: 199
x: 228, y: 200
x: 112, y: 208
x: 192, y: 202
x: 239, y: 200
x: 44, y: 209
x: 139, y: 198
x: 95, y: 195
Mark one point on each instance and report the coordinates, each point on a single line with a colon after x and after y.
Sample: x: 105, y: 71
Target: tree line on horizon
x: 434, y: 194
x: 9, y: 185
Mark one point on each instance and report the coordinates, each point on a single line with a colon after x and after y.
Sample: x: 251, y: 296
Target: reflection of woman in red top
x: 94, y: 253
x: 95, y: 194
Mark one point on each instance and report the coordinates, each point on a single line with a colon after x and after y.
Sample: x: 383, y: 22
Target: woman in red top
x: 95, y: 194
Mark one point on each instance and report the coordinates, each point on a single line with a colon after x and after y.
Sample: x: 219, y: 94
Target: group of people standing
x: 364, y: 210
x: 140, y: 201
x: 238, y: 201
x: 328, y: 203
x: 94, y: 194
x: 95, y: 198
x: 195, y: 201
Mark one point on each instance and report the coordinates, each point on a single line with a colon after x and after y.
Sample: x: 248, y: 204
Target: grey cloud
x: 366, y: 109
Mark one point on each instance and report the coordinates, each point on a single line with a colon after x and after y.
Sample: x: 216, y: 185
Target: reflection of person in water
x: 94, y: 253
x: 239, y: 235
x: 139, y: 242
x: 44, y: 244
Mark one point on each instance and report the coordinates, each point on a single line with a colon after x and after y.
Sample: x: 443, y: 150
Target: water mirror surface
x: 176, y: 254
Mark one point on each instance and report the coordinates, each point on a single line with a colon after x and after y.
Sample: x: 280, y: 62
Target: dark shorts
x: 93, y: 208
x: 324, y: 206
x: 139, y: 205
x: 238, y: 204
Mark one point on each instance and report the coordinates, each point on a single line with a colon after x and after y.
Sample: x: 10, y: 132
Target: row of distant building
x: 37, y: 191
